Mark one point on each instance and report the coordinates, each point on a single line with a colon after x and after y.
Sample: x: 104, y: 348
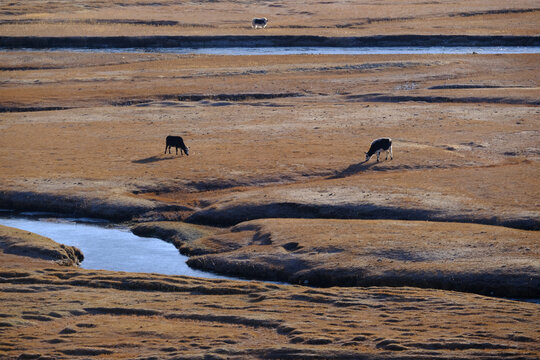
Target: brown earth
x: 279, y: 137
x: 255, y: 120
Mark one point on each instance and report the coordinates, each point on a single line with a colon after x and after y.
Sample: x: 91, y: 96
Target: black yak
x: 177, y: 142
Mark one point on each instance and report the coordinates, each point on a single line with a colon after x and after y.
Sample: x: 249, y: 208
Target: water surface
x: 108, y: 247
x: 316, y: 50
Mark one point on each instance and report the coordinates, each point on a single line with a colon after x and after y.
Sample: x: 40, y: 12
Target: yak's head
x: 368, y: 156
x: 186, y: 150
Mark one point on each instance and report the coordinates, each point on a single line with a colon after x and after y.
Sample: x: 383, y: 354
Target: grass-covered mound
x: 475, y: 258
x: 25, y: 243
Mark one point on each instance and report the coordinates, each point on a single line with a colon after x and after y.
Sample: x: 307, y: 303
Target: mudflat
x: 410, y: 257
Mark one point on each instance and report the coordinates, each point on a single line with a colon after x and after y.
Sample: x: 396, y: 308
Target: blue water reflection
x: 110, y: 247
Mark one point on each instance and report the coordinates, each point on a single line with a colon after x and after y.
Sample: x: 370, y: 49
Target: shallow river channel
x: 109, y: 247
x: 314, y: 50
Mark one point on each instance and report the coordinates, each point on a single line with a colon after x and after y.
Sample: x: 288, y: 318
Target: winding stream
x: 110, y: 247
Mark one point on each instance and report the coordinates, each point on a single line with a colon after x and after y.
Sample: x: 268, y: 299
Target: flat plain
x: 413, y: 257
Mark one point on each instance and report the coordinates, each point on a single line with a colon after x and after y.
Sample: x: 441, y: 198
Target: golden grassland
x: 313, y: 17
x: 273, y: 154
x: 52, y: 311
x: 275, y: 186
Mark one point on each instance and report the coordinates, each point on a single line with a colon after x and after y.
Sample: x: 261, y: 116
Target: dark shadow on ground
x: 152, y: 159
x: 353, y: 170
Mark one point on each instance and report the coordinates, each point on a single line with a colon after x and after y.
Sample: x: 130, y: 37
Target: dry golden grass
x: 67, y: 312
x: 109, y: 150
x: 275, y: 136
x: 329, y: 18
x: 178, y: 233
x: 464, y: 257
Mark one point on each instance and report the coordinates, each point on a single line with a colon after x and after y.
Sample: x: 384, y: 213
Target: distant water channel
x: 107, y: 247
x: 309, y: 50
x: 354, y: 50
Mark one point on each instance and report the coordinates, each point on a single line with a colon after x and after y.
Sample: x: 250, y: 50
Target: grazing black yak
x: 177, y: 142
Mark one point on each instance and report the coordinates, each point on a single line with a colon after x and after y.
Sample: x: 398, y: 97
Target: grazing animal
x: 378, y: 145
x: 177, y: 142
x: 259, y: 23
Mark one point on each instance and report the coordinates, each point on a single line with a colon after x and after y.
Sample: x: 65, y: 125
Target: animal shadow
x: 353, y: 169
x: 152, y: 159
